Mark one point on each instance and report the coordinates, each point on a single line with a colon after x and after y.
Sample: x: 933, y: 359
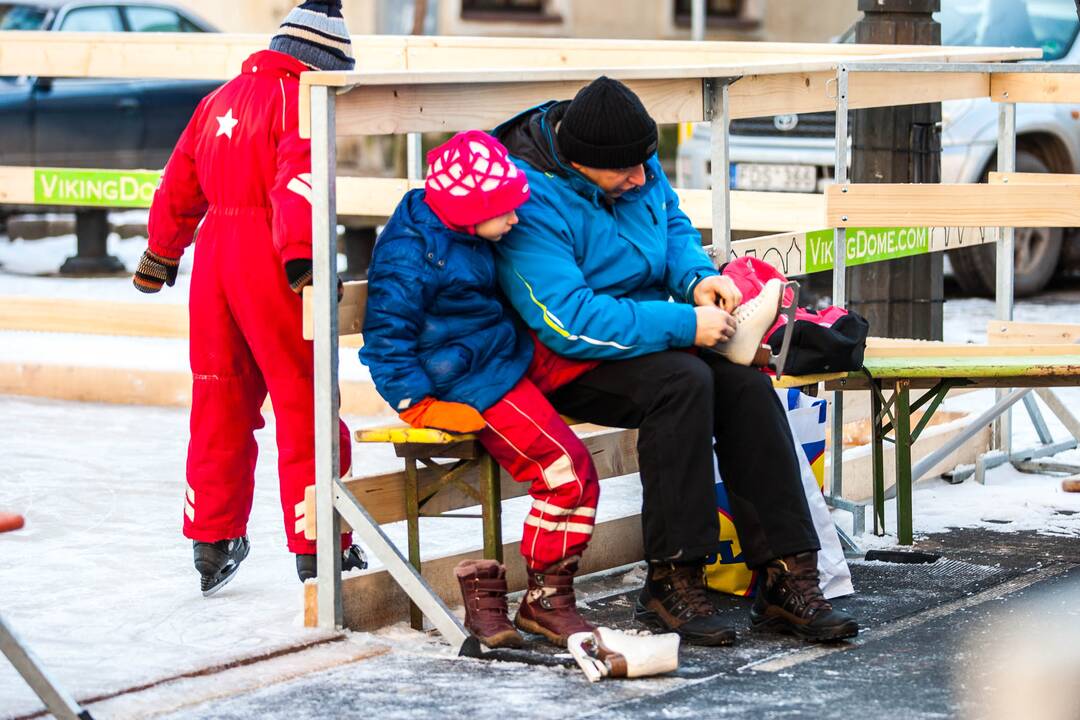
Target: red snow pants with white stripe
x: 247, y: 340
x: 527, y: 437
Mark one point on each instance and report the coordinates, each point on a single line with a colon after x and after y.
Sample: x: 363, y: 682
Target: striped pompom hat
x: 315, y: 34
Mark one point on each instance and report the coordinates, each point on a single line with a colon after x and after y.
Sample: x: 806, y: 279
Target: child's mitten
x: 154, y: 271
x: 299, y: 273
x: 449, y: 416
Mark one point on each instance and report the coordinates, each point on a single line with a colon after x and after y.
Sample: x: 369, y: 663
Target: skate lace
x: 746, y: 309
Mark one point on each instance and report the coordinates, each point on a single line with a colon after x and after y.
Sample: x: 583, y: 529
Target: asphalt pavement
x: 987, y: 628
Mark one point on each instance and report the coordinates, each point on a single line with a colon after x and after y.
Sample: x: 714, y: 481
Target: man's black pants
x: 681, y: 403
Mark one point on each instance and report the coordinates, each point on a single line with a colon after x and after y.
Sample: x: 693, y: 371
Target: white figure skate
x: 753, y: 319
x: 611, y: 653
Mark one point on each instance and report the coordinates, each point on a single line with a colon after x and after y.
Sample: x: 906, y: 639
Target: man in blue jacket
x: 604, y: 265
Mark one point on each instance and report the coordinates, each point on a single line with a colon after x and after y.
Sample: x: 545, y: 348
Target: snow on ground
x: 29, y: 267
x: 100, y: 582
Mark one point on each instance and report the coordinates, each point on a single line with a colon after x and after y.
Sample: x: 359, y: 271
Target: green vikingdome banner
x: 95, y: 188
x: 866, y: 245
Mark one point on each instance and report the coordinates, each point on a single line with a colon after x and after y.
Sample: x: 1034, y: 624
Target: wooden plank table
x: 971, y: 367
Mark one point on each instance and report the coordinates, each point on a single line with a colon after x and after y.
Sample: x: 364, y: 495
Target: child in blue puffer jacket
x: 446, y: 352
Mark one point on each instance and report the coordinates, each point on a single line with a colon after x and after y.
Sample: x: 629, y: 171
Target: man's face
x: 614, y: 182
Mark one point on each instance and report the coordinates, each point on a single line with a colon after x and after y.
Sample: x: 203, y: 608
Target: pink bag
x: 750, y: 275
x: 826, y: 341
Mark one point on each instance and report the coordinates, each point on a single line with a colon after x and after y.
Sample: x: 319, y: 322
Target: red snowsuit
x: 242, y: 164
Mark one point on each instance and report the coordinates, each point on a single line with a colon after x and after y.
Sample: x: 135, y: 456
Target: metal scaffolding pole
x: 1006, y: 163
x: 697, y: 20
x: 839, y: 292
x: 717, y: 111
x: 324, y: 266
x: 56, y: 699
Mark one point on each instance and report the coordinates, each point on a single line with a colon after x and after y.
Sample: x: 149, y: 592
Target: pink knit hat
x: 471, y: 179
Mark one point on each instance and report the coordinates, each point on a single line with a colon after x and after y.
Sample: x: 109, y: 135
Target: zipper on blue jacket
x: 652, y: 214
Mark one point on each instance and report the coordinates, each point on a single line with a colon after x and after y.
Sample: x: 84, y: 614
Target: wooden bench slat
x: 1005, y: 332
x: 404, y: 434
x: 614, y: 452
x: 372, y: 599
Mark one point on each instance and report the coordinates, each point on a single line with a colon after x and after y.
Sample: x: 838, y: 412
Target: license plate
x: 774, y: 178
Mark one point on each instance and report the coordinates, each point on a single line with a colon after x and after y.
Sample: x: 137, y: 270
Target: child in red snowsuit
x: 243, y: 172
x: 446, y: 353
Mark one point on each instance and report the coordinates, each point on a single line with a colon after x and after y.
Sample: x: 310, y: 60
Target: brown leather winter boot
x: 674, y: 600
x: 483, y: 591
x: 789, y: 601
x: 549, y: 607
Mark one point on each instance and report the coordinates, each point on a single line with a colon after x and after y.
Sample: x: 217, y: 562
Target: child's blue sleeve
x: 392, y: 323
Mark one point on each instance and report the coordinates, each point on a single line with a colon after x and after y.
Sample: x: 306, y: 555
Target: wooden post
x: 900, y: 298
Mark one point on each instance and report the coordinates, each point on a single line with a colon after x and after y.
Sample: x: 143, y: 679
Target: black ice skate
x: 217, y: 562
x: 351, y: 559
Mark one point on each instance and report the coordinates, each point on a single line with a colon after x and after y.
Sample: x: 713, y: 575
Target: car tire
x: 1037, y: 251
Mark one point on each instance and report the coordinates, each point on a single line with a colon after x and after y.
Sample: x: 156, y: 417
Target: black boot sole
x: 651, y: 619
x: 780, y: 626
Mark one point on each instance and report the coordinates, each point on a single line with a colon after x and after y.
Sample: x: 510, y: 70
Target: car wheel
x: 1035, y: 255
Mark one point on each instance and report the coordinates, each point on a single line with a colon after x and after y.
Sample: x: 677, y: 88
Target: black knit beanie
x: 315, y: 34
x: 607, y: 127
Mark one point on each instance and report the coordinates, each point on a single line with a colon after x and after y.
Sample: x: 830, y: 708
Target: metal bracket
x: 710, y: 91
x: 779, y: 361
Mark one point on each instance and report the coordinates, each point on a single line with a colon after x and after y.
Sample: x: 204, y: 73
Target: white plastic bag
x: 807, y: 417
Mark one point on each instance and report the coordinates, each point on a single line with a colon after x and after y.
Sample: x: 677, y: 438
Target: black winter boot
x: 674, y: 600
x: 789, y: 601
x: 217, y: 562
x: 307, y: 566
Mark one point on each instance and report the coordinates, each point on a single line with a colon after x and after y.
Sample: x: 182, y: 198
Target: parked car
x: 795, y: 153
x: 94, y: 123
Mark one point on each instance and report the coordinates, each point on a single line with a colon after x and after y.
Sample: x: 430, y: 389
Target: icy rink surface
x: 100, y: 582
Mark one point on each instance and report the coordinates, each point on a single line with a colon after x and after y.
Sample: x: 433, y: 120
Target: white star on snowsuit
x: 226, y: 123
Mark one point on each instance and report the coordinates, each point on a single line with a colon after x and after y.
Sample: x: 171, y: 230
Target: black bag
x: 820, y: 349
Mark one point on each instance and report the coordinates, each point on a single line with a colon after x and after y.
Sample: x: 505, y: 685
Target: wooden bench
x: 1010, y: 360
x: 447, y: 472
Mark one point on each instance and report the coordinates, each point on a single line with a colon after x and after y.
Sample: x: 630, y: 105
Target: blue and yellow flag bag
x: 729, y: 574
x: 807, y: 417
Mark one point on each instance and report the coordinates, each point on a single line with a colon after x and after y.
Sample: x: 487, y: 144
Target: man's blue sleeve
x: 392, y: 324
x: 540, y: 276
x: 687, y: 262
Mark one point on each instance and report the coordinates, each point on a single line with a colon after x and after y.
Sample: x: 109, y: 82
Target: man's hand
x: 714, y: 326
x: 718, y: 290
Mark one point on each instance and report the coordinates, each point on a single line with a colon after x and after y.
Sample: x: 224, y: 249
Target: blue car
x: 97, y: 123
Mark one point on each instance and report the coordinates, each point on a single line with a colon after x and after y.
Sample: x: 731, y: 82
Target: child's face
x: 496, y: 227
